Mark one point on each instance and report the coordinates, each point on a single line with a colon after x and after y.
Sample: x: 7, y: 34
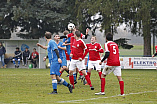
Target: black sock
x: 67, y: 71
x: 55, y: 90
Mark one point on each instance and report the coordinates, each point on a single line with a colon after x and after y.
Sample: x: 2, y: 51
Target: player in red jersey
x: 156, y: 52
x: 94, y: 49
x: 113, y: 64
x: 77, y: 54
x: 72, y: 40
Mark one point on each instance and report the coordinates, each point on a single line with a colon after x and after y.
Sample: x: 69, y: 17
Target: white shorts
x: 68, y: 63
x: 77, y: 64
x: 91, y: 65
x: 115, y: 69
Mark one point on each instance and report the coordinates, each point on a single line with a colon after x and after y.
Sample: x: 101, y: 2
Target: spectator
x: 26, y: 56
x: 34, y: 56
x: 17, y: 57
x: 2, y: 53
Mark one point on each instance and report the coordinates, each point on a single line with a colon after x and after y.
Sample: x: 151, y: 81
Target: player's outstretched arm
x: 44, y: 47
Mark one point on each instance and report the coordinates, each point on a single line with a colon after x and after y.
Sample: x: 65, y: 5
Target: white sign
x: 138, y: 62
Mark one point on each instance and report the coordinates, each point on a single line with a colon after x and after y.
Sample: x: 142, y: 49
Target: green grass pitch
x: 31, y: 86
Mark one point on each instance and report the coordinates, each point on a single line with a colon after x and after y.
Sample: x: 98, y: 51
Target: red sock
x: 121, y: 83
x: 89, y: 74
x: 88, y: 80
x: 102, y: 84
x: 81, y: 73
x: 71, y: 78
x: 60, y: 73
x: 100, y: 74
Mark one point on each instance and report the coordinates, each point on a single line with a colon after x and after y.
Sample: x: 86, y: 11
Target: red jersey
x: 156, y: 48
x: 113, y: 59
x: 78, y: 49
x: 94, y: 50
x: 72, y: 38
x: 67, y: 56
x: 35, y: 55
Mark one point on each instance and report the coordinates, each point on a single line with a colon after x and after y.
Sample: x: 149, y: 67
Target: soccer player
x: 156, y: 52
x: 17, y: 57
x: 25, y: 56
x: 61, y: 49
x: 72, y: 40
x: 77, y: 57
x: 94, y: 49
x: 55, y: 62
x: 113, y: 64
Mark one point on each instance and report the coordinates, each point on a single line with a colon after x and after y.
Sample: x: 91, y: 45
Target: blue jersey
x: 51, y: 53
x: 61, y: 51
x: 68, y: 46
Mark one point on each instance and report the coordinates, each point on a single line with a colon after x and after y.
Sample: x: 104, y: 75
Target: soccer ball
x: 71, y: 26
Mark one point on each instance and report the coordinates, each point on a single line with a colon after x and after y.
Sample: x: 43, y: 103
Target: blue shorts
x: 54, y: 68
x: 64, y: 62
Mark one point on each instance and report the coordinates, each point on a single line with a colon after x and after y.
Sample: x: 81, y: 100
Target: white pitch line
x: 70, y: 101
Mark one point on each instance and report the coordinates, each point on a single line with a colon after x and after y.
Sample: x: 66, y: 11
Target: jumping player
x: 61, y: 49
x: 77, y: 57
x: 94, y: 49
x: 113, y: 64
x: 55, y: 62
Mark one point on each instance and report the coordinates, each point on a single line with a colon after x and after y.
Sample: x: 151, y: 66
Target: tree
x: 136, y: 14
x: 34, y: 17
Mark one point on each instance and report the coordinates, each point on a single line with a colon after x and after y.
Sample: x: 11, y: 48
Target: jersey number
x: 114, y: 50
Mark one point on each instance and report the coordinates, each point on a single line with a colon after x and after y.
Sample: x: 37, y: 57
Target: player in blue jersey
x: 61, y: 49
x: 17, y: 57
x: 55, y: 61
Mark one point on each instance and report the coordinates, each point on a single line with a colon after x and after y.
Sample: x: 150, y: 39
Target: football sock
x: 62, y: 81
x: 88, y: 80
x: 89, y: 74
x: 81, y: 73
x: 67, y: 71
x: 71, y: 78
x: 54, y: 84
x: 14, y: 63
x: 121, y: 83
x: 74, y: 74
x: 102, y: 84
x: 100, y: 74
x: 60, y: 73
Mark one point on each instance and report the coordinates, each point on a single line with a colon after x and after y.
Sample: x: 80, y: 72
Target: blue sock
x: 62, y: 81
x: 14, y: 63
x: 54, y: 84
x: 18, y: 63
x: 74, y: 74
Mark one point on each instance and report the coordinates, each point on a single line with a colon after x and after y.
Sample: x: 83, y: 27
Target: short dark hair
x: 66, y: 32
x: 17, y: 48
x: 48, y: 35
x: 55, y: 34
x: 34, y: 48
x: 109, y: 36
x: 78, y: 33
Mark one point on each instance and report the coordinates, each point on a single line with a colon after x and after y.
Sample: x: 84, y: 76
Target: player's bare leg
x: 87, y: 79
x: 121, y: 83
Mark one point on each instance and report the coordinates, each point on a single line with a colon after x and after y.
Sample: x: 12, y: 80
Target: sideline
x: 70, y: 101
